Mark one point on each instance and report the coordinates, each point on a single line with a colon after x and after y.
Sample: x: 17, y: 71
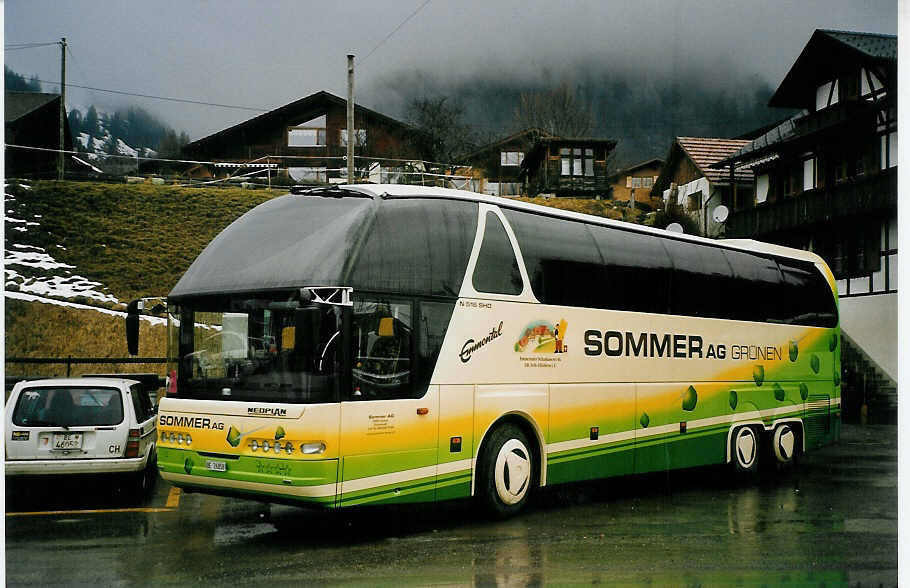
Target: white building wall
x: 871, y: 321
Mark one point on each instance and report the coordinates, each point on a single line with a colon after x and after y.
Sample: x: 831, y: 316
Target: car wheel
x: 145, y: 479
x: 507, y: 473
x: 744, y: 450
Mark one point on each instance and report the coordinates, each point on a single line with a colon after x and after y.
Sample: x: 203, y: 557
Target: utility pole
x: 350, y: 119
x: 62, y: 107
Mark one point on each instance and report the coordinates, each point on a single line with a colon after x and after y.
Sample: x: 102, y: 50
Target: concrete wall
x: 871, y: 321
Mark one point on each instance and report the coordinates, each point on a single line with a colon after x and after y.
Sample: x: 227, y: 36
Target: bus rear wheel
x: 745, y: 451
x: 784, y: 444
x: 507, y: 472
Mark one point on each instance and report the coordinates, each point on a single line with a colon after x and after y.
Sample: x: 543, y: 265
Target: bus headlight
x: 188, y: 439
x: 254, y: 445
x: 312, y: 448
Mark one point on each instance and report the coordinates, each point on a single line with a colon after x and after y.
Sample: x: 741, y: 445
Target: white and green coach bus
x: 377, y: 344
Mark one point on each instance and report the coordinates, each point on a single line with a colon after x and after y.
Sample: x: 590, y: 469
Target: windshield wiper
x: 39, y: 422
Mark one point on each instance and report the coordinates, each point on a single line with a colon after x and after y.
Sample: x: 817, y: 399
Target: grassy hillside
x: 34, y: 329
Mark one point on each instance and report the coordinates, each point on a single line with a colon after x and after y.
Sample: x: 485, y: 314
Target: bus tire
x: 745, y: 451
x: 507, y: 472
x: 785, y: 443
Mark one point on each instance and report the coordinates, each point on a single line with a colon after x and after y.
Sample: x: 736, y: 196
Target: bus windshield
x: 249, y: 347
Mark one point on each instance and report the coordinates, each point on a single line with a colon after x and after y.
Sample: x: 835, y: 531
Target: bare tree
x: 444, y: 136
x: 557, y: 111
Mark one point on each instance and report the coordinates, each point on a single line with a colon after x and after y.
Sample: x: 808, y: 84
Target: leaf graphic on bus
x: 758, y: 374
x: 690, y: 399
x: 794, y: 350
x: 188, y: 466
x: 779, y: 393
x: 836, y: 378
x: 233, y: 436
x: 803, y: 392
x: 645, y: 420
x: 832, y: 343
x: 279, y: 433
x: 815, y: 363
x: 734, y: 399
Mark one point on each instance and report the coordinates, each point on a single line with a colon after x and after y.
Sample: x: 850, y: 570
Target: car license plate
x: 67, y: 440
x: 216, y: 466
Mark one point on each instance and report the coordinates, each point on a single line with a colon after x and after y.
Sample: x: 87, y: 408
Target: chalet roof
x: 703, y: 152
x: 825, y: 55
x: 783, y: 132
x: 653, y: 162
x: 18, y: 104
x: 303, y: 107
x: 531, y: 134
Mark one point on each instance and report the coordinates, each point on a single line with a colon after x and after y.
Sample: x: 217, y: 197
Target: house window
x: 576, y: 161
x: 889, y: 150
x: 693, y: 200
x: 826, y: 95
x: 511, y: 158
x: 809, y: 174
x: 870, y: 86
x: 309, y: 134
x: 762, y: 184
x: 360, y: 137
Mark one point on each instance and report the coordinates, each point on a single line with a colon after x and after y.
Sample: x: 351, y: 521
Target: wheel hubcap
x: 784, y: 442
x: 745, y: 447
x: 513, y: 471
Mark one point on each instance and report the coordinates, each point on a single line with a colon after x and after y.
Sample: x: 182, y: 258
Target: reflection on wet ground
x: 831, y: 520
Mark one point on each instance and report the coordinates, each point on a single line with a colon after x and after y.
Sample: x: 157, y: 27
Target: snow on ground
x: 32, y: 270
x: 32, y: 298
x: 124, y: 149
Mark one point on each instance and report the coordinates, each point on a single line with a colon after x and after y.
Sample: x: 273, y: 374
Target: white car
x: 81, y: 426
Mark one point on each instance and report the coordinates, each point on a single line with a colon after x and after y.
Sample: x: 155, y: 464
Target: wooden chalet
x: 688, y: 180
x: 33, y: 119
x: 633, y: 184
x: 826, y: 180
x: 309, y: 136
x: 567, y: 167
x: 498, y: 164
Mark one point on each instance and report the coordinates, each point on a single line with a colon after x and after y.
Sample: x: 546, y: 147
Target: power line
x: 167, y: 98
x: 27, y: 46
x: 389, y: 36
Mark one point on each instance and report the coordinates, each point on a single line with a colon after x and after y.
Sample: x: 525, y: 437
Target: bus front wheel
x: 507, y: 471
x: 745, y: 450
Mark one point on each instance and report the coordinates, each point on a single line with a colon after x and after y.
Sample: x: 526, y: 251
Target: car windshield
x: 68, y: 407
x: 253, y: 348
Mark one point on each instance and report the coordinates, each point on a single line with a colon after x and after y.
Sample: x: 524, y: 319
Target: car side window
x: 141, y: 403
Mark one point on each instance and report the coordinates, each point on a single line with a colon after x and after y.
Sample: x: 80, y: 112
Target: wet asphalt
x: 829, y: 521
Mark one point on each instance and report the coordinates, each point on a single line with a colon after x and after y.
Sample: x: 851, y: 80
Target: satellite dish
x: 720, y: 214
x: 675, y: 228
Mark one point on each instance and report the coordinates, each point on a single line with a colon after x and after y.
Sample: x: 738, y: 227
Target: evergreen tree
x: 90, y: 122
x: 17, y: 83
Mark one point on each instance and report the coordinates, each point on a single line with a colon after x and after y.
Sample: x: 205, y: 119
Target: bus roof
x: 406, y: 191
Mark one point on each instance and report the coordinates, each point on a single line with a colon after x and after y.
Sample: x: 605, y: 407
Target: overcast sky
x: 268, y: 53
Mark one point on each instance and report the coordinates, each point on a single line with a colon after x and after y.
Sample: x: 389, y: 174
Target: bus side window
x: 496, y: 270
x: 382, y: 350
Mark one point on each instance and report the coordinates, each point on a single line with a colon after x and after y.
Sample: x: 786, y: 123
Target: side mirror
x: 132, y: 327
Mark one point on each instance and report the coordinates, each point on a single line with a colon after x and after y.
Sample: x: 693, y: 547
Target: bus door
x: 388, y: 426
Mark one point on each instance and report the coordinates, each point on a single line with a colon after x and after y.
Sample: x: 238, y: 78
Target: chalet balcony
x: 872, y: 195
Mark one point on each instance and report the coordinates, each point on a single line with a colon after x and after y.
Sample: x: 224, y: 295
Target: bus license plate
x: 67, y: 440
x: 216, y: 466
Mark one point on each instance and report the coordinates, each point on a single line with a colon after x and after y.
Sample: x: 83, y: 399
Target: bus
x: 386, y: 344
